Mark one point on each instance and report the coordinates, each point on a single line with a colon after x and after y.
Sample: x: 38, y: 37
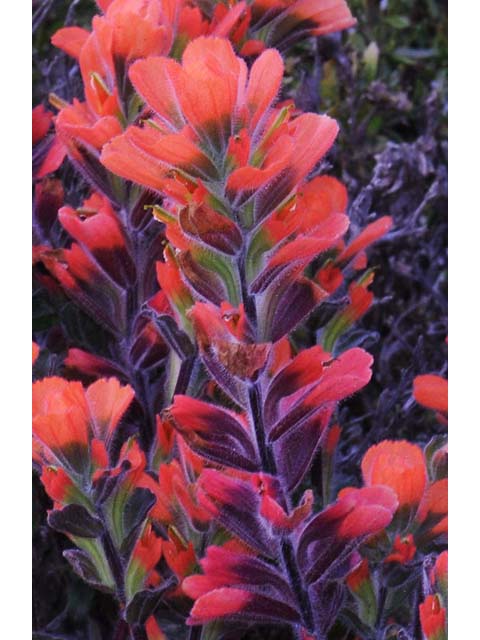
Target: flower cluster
x: 177, y: 438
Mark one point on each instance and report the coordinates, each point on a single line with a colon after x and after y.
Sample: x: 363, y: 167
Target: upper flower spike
x: 213, y: 120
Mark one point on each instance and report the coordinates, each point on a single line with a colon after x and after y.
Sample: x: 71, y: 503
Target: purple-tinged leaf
x: 213, y: 432
x: 236, y: 505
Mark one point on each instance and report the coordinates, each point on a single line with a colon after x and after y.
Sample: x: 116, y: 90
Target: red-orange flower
x: 404, y: 549
x: 439, y: 573
x: 49, y: 151
x: 130, y: 29
x: 153, y: 630
x: 399, y: 465
x: 433, y: 510
x: 35, y: 352
x: 202, y: 106
x: 146, y: 553
x: 67, y: 418
x: 281, y: 23
x: 432, y: 392
x: 439, y: 576
x: 433, y: 618
x: 58, y: 484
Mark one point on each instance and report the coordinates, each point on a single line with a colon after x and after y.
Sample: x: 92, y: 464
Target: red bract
x: 211, y: 100
x: 68, y: 420
x: 433, y: 618
x: 399, y: 465
x: 433, y: 510
x: 204, y: 181
x: 296, y: 409
x: 239, y: 586
x: 422, y: 504
x: 58, y: 485
x: 48, y: 149
x: 439, y: 575
x: 404, y: 550
x: 146, y: 554
x: 359, y: 577
x: 153, y: 630
x: 97, y: 229
x: 432, y: 392
x: 283, y: 22
x: 130, y: 29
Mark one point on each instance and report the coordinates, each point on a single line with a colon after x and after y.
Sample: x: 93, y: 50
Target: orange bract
x: 433, y: 618
x: 432, y: 392
x: 399, y: 465
x: 67, y: 418
x: 209, y: 106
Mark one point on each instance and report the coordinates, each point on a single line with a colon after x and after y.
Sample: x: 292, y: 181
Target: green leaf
x: 397, y: 22
x: 84, y: 567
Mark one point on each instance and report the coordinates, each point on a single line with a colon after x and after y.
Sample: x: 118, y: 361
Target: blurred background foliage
x: 385, y: 81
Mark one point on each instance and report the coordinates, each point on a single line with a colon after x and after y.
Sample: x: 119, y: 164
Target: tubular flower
x: 404, y: 550
x: 360, y: 301
x: 359, y: 576
x: 433, y: 618
x: 362, y: 587
x: 146, y: 554
x: 58, y: 485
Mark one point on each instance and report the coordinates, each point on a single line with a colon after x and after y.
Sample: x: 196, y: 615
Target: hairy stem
x: 268, y: 461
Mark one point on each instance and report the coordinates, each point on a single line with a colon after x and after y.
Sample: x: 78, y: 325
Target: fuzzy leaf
x: 144, y: 603
x: 76, y: 521
x: 213, y: 432
x: 84, y: 567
